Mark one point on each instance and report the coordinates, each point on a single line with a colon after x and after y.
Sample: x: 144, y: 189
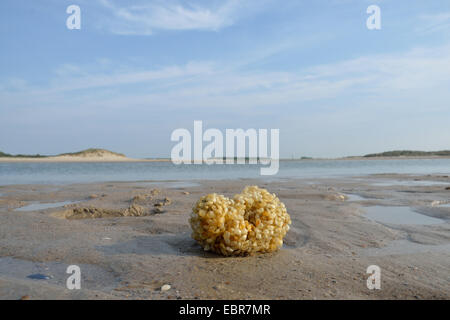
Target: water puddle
x: 399, y: 215
x: 52, y: 272
x: 43, y: 206
x: 440, y: 204
x: 39, y: 276
x: 405, y: 247
x: 410, y: 183
x: 169, y: 185
x: 354, y: 197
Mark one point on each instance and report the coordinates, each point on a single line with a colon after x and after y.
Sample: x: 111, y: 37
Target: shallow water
x: 399, y: 215
x: 43, y: 206
x: 169, y: 184
x: 405, y: 247
x: 354, y: 197
x: 421, y: 183
x: 39, y: 276
x: 52, y: 272
x: 78, y: 172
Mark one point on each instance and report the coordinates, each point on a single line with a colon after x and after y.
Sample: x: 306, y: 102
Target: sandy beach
x: 106, y: 157
x: 62, y: 159
x: 130, y: 238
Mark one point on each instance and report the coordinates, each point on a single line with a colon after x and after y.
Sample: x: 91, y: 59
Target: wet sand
x: 129, y: 239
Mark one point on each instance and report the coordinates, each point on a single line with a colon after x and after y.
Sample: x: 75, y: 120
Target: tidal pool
x: 409, y: 183
x: 405, y: 247
x: 354, y: 197
x: 399, y: 215
x: 55, y: 273
x: 39, y: 276
x: 43, y: 206
x: 169, y: 184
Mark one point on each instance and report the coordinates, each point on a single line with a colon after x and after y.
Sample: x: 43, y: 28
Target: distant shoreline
x: 63, y: 159
x: 378, y: 158
x: 78, y: 159
x: 103, y: 155
x: 88, y: 155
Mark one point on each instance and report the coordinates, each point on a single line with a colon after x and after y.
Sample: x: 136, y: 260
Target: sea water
x: 78, y: 172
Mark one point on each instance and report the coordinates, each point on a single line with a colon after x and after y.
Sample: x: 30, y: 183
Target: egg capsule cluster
x: 253, y: 221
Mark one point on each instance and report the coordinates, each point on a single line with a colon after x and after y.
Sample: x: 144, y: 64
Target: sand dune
x: 89, y: 155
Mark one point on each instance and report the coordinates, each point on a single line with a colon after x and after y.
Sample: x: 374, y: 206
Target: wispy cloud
x: 123, y: 78
x: 435, y: 22
x: 217, y: 85
x: 149, y: 17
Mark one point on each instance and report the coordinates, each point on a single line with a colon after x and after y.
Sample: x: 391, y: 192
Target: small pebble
x: 39, y: 276
x: 158, y: 210
x: 165, y: 287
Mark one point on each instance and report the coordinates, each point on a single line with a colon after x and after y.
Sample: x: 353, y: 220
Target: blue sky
x: 137, y: 70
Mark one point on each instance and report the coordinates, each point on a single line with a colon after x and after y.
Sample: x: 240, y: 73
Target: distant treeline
x: 7, y: 155
x: 409, y: 153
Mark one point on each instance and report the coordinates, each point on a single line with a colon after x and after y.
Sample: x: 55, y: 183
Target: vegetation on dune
x: 7, y: 155
x: 409, y: 153
x: 92, y: 152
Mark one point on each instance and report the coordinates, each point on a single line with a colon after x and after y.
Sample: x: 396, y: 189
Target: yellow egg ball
x: 253, y: 221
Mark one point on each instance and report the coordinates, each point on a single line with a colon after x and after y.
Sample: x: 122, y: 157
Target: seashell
x: 165, y: 287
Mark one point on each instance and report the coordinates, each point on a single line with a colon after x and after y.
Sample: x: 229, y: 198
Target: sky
x: 138, y: 70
